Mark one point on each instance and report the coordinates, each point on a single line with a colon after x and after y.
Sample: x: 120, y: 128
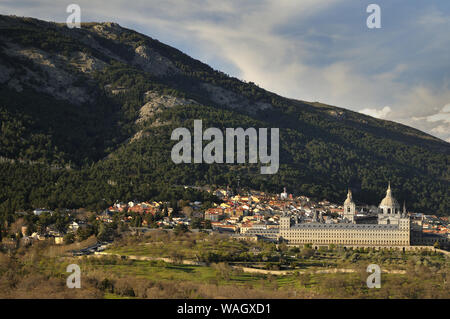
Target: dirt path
x: 324, y: 271
x: 246, y: 269
x: 167, y: 260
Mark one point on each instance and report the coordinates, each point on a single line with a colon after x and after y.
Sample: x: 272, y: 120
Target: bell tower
x: 349, y: 208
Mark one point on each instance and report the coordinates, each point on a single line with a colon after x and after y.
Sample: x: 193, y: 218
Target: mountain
x: 87, y: 114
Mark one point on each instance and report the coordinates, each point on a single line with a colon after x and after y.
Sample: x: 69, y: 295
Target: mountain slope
x: 86, y: 116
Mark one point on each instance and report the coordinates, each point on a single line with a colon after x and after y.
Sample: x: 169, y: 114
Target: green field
x: 345, y: 285
x: 40, y: 271
x: 424, y: 273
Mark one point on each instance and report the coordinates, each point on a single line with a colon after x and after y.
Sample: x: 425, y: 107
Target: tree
x: 187, y: 211
x: 31, y: 228
x: 83, y: 233
x: 307, y: 252
x: 180, y: 229
x: 45, y: 219
x: 69, y: 238
x: 208, y: 224
x: 61, y: 222
x: 196, y: 223
x: 105, y: 232
x: 283, y: 248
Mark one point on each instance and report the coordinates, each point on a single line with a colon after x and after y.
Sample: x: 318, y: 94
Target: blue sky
x: 314, y: 50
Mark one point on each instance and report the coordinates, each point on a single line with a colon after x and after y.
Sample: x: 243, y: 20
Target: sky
x: 313, y: 50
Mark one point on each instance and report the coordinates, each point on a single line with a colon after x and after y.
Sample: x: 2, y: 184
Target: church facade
x: 392, y: 229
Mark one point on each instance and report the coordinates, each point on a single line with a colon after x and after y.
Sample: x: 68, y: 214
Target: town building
x: 393, y: 227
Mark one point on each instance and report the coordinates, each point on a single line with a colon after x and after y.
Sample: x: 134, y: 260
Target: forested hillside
x: 86, y: 117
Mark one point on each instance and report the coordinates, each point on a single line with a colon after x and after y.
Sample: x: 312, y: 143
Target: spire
x: 389, y: 202
x: 404, y: 208
x: 389, y: 191
x: 349, y: 199
x: 349, y: 194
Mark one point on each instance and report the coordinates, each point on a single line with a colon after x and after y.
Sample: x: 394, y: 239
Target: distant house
x: 74, y: 226
x: 214, y: 214
x: 245, y: 237
x: 339, y: 211
x: 23, y: 230
x: 218, y: 226
x: 245, y: 226
x: 214, y: 217
x: 198, y: 214
x: 54, y: 232
x: 121, y: 206
x: 105, y: 216
x: 136, y: 209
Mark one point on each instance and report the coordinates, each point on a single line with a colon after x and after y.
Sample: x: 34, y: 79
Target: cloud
x: 437, y: 123
x: 433, y: 18
x: 381, y: 114
x: 442, y: 116
x: 442, y: 130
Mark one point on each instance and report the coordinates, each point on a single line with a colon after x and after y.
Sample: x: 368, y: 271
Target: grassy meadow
x: 198, y: 265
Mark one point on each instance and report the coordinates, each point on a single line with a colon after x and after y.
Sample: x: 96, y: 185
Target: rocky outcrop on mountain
x: 152, y: 62
x: 48, y: 73
x: 157, y: 102
x: 233, y: 100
